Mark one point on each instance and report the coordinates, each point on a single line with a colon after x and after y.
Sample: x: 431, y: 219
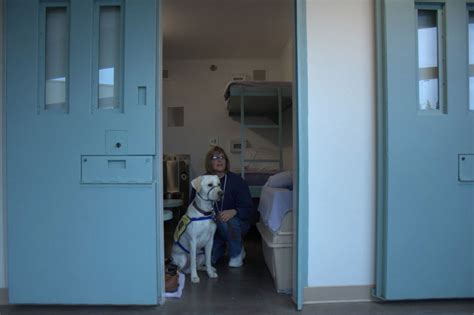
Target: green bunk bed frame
x: 258, y: 99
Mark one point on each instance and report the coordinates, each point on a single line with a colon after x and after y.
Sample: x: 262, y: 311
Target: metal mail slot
x: 117, y: 169
x: 466, y: 167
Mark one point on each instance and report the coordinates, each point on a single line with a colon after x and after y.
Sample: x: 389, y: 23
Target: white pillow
x: 281, y: 180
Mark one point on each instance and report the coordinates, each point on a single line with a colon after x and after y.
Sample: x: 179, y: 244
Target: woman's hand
x: 226, y: 215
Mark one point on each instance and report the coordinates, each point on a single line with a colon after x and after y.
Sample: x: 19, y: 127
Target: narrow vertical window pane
x: 428, y: 60
x: 57, y: 58
x: 471, y: 60
x: 110, y: 48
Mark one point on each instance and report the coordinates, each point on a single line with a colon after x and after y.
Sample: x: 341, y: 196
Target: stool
x: 170, y: 204
x: 167, y: 215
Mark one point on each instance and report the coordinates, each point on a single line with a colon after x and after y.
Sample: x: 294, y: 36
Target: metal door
x: 81, y: 190
x: 426, y: 142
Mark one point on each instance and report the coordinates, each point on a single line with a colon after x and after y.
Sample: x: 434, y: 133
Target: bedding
x: 281, y: 180
x: 273, y: 206
x: 269, y: 84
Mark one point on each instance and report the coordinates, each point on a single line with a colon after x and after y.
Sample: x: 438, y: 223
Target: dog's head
x: 208, y: 187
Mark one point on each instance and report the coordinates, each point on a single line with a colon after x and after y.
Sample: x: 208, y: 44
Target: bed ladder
x: 255, y: 190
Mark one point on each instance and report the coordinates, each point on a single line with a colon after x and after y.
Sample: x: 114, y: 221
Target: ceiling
x: 194, y: 29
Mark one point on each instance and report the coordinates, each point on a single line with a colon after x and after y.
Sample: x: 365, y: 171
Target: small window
x: 471, y: 59
x: 430, y: 53
x: 55, y: 57
x: 110, y: 51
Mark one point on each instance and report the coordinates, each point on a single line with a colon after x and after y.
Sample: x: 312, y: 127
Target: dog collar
x: 207, y: 196
x: 203, y: 212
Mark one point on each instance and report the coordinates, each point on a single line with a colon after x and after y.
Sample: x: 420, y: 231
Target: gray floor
x: 250, y: 290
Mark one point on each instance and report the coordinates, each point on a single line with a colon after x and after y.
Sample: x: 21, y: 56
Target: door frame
x: 300, y: 151
x: 381, y: 115
x: 3, y: 205
x: 160, y: 250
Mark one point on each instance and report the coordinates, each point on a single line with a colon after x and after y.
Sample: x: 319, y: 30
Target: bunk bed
x: 276, y: 229
x: 258, y: 105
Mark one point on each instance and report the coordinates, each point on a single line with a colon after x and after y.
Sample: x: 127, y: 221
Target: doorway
x: 191, y: 82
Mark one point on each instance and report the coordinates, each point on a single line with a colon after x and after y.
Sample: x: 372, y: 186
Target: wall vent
x: 259, y: 75
x: 175, y: 116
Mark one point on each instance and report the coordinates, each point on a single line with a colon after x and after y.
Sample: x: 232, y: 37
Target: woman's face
x: 218, y: 162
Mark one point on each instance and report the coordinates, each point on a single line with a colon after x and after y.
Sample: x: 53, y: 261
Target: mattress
x: 255, y: 84
x: 261, y: 98
x: 274, y: 204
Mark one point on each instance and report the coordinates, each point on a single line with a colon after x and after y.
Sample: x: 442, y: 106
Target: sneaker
x: 237, y: 261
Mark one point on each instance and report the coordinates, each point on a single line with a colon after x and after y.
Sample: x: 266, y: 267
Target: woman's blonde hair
x: 210, y: 154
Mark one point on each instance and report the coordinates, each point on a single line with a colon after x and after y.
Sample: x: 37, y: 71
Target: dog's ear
x: 196, y: 183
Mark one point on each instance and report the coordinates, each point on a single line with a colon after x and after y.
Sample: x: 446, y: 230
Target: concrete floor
x: 250, y: 290
x: 258, y: 305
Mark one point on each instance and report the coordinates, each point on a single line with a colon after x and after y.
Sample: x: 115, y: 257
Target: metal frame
x: 381, y: 142
x: 243, y: 138
x: 3, y: 163
x: 302, y: 154
x: 160, y: 251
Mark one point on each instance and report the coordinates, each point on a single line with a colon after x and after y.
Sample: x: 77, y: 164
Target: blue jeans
x: 229, y: 234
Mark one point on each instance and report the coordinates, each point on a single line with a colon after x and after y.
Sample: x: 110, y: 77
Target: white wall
x: 287, y: 60
x: 200, y: 91
x: 341, y: 65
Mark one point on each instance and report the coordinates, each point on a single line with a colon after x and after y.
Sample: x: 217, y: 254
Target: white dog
x: 196, y: 229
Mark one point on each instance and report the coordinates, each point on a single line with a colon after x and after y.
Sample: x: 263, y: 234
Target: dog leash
x: 223, y: 197
x: 232, y: 232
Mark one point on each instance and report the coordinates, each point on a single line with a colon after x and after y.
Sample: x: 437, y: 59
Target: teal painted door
x: 426, y: 196
x: 80, y: 114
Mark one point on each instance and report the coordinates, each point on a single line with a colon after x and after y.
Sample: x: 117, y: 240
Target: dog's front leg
x: 194, y: 275
x: 211, y: 271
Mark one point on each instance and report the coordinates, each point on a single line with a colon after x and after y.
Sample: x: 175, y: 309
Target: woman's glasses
x: 218, y: 157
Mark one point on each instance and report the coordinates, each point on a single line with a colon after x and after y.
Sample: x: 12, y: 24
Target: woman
x: 233, y: 211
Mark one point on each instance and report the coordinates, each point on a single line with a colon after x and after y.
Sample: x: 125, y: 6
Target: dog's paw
x: 212, y: 274
x: 195, y: 279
